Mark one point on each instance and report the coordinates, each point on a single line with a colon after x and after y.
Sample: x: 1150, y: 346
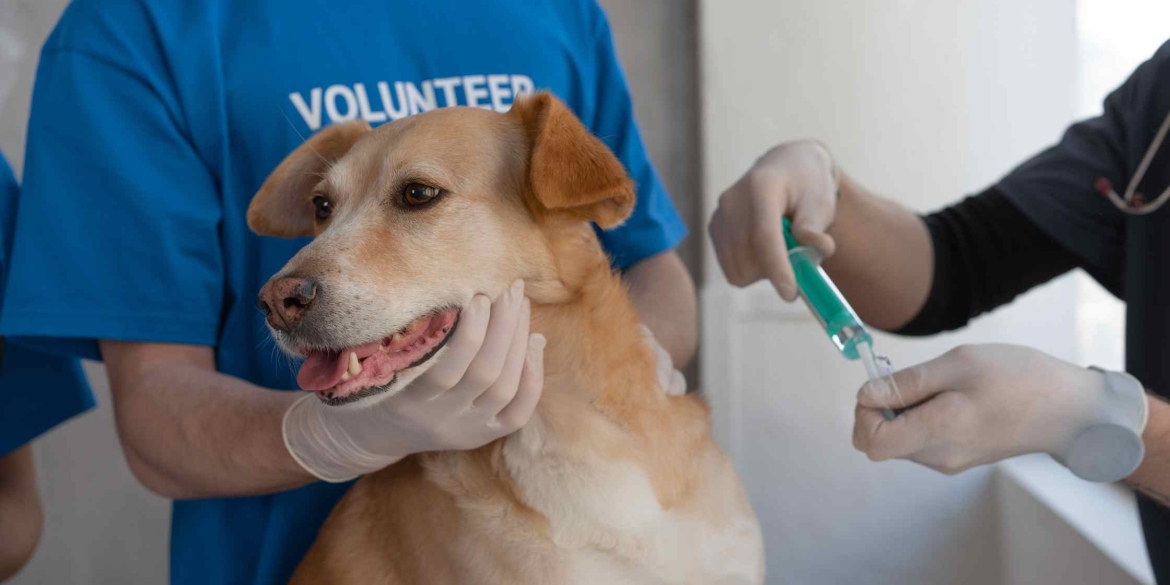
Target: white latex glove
x: 982, y: 403
x: 485, y: 386
x: 795, y: 180
x: 671, y: 379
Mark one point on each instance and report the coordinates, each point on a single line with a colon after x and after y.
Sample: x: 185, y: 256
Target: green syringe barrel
x: 817, y: 290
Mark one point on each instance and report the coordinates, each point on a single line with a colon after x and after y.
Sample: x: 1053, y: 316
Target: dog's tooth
x: 355, y: 367
x: 345, y: 376
x: 397, y: 337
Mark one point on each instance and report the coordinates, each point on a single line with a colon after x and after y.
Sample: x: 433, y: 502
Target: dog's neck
x: 594, y: 348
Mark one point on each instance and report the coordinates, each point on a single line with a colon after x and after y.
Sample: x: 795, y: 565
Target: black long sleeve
x: 986, y: 252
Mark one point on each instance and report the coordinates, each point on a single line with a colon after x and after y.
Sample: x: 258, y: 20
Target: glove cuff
x: 1110, y: 448
x: 322, y: 448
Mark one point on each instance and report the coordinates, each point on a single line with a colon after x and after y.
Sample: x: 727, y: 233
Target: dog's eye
x: 323, y: 207
x: 416, y: 194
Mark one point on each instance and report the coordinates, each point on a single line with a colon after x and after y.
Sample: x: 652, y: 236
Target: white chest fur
x: 607, y: 522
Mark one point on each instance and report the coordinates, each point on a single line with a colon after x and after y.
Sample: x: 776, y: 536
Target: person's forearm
x: 191, y: 432
x: 20, y: 511
x: 663, y: 292
x: 1152, y: 478
x: 883, y: 263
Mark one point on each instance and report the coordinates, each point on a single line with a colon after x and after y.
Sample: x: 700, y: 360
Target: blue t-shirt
x: 155, y: 121
x: 38, y: 390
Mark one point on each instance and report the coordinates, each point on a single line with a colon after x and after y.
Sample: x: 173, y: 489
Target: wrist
x: 317, y: 440
x: 1106, y: 444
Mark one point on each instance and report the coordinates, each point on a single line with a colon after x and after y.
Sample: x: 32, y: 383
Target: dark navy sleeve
x: 986, y: 253
x: 655, y: 226
x: 1056, y: 188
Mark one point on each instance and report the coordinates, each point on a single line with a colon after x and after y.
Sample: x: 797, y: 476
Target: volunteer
x: 152, y: 126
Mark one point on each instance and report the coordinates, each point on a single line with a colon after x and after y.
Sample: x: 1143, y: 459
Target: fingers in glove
x: 882, y: 439
x: 914, y: 384
x: 458, y: 353
x: 766, y: 239
x: 487, y: 365
x: 523, y: 404
x: 501, y: 392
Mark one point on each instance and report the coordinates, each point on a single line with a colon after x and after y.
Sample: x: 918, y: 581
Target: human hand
x: 671, y: 379
x: 982, y: 403
x: 485, y: 385
x: 796, y: 180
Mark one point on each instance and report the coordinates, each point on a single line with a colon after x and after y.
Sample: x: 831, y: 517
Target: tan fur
x: 611, y: 481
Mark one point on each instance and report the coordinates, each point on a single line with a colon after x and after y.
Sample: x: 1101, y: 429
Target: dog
x: 611, y: 480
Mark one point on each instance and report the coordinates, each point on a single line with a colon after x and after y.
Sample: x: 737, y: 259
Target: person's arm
x: 664, y: 295
x: 884, y: 260
x: 978, y: 404
x: 191, y: 432
x: 879, y: 252
x: 910, y: 274
x: 20, y: 511
x: 1152, y: 478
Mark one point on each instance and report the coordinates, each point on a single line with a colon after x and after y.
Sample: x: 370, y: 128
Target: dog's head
x: 413, y: 219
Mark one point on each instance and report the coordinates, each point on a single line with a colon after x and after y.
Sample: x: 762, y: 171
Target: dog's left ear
x: 571, y: 171
x: 283, y: 206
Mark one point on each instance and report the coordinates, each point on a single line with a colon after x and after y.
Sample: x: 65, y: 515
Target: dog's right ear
x: 283, y: 206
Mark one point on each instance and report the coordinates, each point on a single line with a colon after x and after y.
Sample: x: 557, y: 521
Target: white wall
x: 925, y: 102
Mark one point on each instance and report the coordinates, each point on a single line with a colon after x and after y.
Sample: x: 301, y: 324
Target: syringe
x: 829, y: 306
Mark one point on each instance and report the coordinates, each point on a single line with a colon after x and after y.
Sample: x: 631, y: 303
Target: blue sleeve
x: 655, y: 226
x: 38, y: 391
x: 117, y: 233
x: 9, y: 191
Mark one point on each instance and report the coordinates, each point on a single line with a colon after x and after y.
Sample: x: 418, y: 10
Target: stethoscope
x: 1134, y: 203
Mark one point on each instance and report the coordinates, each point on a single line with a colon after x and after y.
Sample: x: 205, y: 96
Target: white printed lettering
x: 387, y: 103
x: 345, y: 93
x: 522, y: 85
x: 448, y: 85
x: 474, y: 90
x: 420, y: 102
x: 311, y: 114
x: 499, y: 92
x: 371, y: 116
x: 342, y: 103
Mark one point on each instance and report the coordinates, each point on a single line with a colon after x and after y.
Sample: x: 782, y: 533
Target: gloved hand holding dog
x: 485, y: 387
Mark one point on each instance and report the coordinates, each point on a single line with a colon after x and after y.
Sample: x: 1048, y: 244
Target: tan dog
x: 611, y: 481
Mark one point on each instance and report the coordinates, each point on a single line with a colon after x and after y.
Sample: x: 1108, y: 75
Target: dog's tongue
x: 322, y: 370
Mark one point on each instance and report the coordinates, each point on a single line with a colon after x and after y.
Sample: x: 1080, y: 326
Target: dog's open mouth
x: 341, y: 376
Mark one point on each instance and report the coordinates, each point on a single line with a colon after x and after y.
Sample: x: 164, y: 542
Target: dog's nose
x: 286, y: 300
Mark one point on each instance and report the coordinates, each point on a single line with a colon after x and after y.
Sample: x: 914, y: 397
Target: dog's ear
x: 570, y: 170
x: 283, y: 206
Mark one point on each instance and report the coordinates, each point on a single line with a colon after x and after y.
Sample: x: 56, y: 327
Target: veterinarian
x: 38, y: 391
x: 1089, y: 201
x: 152, y: 126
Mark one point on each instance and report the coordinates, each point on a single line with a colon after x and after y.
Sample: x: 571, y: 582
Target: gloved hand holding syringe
x: 833, y: 312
